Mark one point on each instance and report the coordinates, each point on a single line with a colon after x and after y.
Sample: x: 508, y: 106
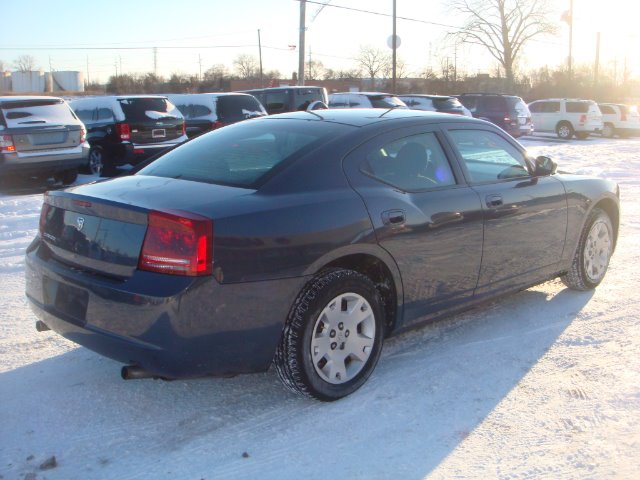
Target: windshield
x: 242, y: 154
x: 386, y: 101
x: 147, y: 109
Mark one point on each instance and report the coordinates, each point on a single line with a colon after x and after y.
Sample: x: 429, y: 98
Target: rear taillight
x: 83, y: 135
x: 623, y: 117
x: 583, y: 118
x: 217, y: 124
x: 184, y: 128
x: 178, y: 243
x: 6, y: 143
x: 46, y: 207
x: 123, y: 131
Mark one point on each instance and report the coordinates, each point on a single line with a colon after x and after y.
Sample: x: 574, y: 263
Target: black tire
x: 67, y: 177
x: 596, y: 240
x: 310, y: 323
x: 608, y: 131
x: 564, y: 130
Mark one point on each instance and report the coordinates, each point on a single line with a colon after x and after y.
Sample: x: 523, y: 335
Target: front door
x: 424, y: 216
x: 525, y: 217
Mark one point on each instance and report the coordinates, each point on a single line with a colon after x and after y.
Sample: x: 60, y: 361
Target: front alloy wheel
x: 593, y: 254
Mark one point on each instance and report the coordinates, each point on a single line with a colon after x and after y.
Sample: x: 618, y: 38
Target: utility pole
x: 301, y: 47
x: 155, y: 61
x: 394, y: 47
x: 88, y: 77
x: 597, y: 64
x: 120, y: 57
x: 200, y: 63
x: 260, y: 57
x: 570, y: 37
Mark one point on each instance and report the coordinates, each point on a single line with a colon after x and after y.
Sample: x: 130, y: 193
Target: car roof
x: 22, y: 98
x: 365, y: 93
x: 360, y: 117
x: 426, y: 95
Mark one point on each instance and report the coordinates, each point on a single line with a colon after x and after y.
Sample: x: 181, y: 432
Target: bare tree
x: 246, y: 65
x: 373, y: 61
x: 315, y: 70
x: 215, y: 73
x: 504, y: 27
x: 25, y: 63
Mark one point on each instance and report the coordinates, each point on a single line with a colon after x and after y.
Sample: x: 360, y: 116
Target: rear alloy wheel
x: 608, y: 131
x: 333, y: 336
x: 564, y: 130
x: 594, y: 251
x: 95, y: 164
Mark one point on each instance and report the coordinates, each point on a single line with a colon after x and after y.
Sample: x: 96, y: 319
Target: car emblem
x: 80, y: 223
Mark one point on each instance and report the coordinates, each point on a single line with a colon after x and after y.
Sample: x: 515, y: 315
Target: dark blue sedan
x: 302, y: 240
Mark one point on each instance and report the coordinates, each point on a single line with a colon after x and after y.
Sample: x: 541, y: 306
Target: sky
x: 101, y: 39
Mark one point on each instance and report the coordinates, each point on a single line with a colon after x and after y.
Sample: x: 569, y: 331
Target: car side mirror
x: 544, y: 166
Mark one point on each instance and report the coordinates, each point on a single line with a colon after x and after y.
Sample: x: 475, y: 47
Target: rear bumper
x: 170, y: 326
x: 49, y: 162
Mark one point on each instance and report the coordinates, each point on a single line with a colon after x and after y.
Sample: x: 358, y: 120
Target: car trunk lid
x: 87, y: 230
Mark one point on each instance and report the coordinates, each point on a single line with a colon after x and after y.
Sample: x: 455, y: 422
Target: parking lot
x: 542, y: 384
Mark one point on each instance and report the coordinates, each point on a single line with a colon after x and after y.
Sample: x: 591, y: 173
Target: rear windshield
x: 385, y: 101
x: 232, y: 108
x: 306, y: 96
x: 243, y: 154
x: 147, y: 109
x: 29, y: 113
x: 446, y: 103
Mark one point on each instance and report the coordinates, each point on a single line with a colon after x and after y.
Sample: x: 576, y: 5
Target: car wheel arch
x: 376, y: 264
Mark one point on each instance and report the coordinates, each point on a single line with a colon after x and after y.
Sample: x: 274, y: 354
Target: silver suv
x: 566, y: 117
x: 41, y: 137
x: 365, y: 100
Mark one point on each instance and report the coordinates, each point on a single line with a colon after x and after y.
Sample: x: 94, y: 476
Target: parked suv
x: 434, y: 103
x: 207, y: 111
x: 509, y: 112
x: 567, y: 117
x: 125, y: 129
x: 289, y: 99
x: 619, y: 119
x: 41, y: 136
x: 365, y: 100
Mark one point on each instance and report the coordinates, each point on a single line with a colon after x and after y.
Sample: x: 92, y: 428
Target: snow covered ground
x: 544, y: 384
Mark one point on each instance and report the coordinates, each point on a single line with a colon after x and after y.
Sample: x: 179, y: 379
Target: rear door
x: 423, y: 215
x: 152, y: 119
x: 525, y: 217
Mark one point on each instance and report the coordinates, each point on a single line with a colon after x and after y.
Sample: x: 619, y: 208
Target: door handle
x: 494, y: 200
x: 394, y: 218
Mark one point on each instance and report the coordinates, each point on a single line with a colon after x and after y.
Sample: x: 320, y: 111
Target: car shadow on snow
x: 431, y: 388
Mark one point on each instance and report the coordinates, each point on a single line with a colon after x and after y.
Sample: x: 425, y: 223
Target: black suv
x: 204, y: 112
x: 128, y: 129
x: 290, y: 99
x: 509, y: 112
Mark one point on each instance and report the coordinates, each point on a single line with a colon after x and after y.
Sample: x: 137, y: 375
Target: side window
x: 411, y: 163
x: 276, y: 101
x: 577, y: 107
x: 470, y: 103
x: 105, y: 114
x: 494, y: 104
x: 487, y: 156
x: 550, y: 107
x: 607, y: 110
x: 198, y: 110
x: 86, y: 115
